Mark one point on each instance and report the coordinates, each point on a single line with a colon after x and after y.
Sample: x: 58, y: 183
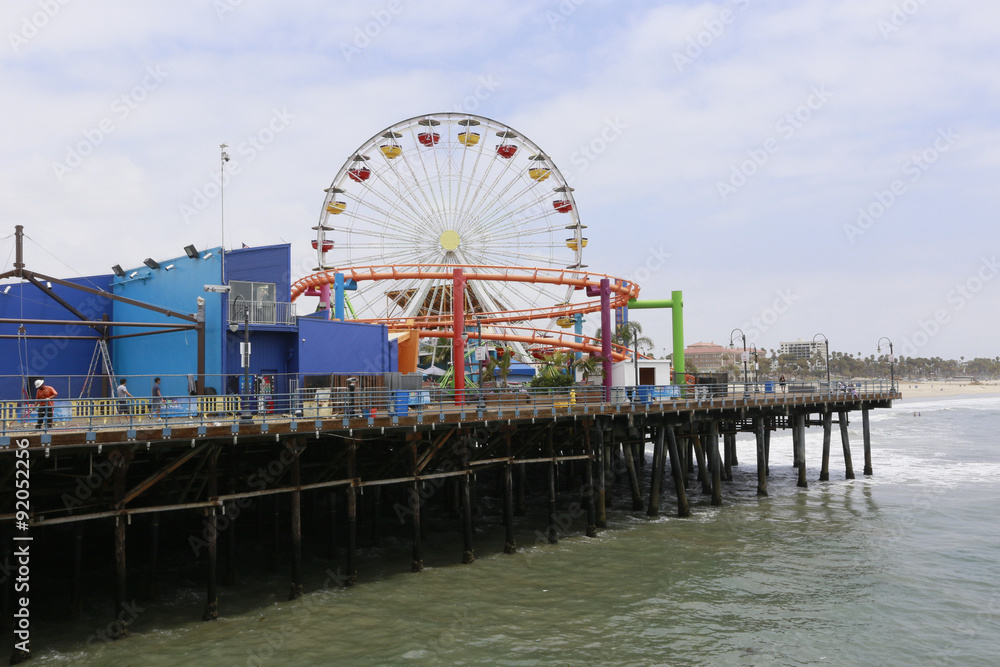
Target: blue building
x: 172, y: 318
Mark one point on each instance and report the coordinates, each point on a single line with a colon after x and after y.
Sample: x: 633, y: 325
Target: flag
x: 245, y: 245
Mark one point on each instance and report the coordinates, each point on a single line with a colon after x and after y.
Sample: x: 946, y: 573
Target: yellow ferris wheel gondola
x: 467, y: 137
x: 391, y: 149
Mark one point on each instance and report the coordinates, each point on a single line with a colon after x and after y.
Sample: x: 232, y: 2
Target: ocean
x: 900, y: 568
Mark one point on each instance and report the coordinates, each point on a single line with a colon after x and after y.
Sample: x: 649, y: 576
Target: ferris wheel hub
x: 450, y: 240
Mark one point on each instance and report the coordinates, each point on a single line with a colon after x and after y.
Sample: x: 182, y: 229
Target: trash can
x: 769, y: 387
x: 402, y: 402
x: 643, y: 394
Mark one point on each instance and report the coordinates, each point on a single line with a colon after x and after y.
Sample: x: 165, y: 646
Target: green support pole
x: 676, y: 305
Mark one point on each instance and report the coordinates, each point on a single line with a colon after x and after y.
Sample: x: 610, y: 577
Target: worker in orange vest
x: 44, y: 395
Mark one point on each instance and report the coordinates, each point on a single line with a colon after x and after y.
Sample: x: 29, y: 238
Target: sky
x: 795, y: 168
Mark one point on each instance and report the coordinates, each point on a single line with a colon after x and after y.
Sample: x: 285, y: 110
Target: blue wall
x: 172, y: 354
x: 326, y: 346
x: 49, y: 357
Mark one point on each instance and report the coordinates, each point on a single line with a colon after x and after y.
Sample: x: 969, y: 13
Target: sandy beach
x: 943, y: 388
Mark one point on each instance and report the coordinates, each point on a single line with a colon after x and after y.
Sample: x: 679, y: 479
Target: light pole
x: 479, y: 359
x: 892, y: 359
x: 753, y: 351
x: 744, y: 337
x: 245, y: 414
x: 826, y: 345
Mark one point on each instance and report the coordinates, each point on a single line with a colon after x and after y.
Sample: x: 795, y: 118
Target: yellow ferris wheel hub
x: 450, y: 239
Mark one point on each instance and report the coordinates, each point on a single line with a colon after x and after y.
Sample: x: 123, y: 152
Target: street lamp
x: 892, y: 359
x: 826, y: 344
x: 753, y: 351
x: 245, y: 414
x: 480, y: 360
x: 744, y: 337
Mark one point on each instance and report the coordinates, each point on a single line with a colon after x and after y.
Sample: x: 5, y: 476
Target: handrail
x: 428, y: 403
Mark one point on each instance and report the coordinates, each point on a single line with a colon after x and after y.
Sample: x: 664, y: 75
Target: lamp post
x: 744, y: 337
x: 826, y: 345
x: 892, y: 359
x: 479, y: 359
x: 245, y: 414
x: 753, y: 351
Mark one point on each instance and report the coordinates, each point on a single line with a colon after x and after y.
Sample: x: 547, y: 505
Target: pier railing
x: 364, y: 405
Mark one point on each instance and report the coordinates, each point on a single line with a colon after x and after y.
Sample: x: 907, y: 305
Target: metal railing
x: 358, y: 406
x: 263, y: 312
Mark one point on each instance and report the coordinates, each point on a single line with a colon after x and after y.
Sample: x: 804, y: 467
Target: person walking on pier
x: 123, y: 394
x: 44, y: 396
x: 157, y: 409
x: 781, y: 381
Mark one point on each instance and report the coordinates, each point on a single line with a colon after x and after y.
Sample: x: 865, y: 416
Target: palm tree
x: 504, y: 359
x: 629, y: 334
x: 588, y: 365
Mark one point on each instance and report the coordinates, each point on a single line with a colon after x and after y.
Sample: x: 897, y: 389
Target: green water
x: 897, y: 569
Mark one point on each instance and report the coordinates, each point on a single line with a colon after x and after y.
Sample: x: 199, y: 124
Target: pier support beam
x: 120, y: 624
x: 703, y: 473
x: 760, y: 432
x: 824, y: 472
x: 521, y: 505
x: 677, y: 470
x: 767, y: 450
x: 729, y: 451
x: 866, y: 430
x: 229, y: 511
x: 602, y: 464
x: 295, y: 590
x: 799, y: 434
x: 553, y: 530
x: 633, y: 478
x: 416, y: 558
x: 153, y: 580
x: 352, y: 516
x: 588, y: 489
x: 211, y: 612
x: 845, y: 440
x: 656, y: 475
x: 716, y: 462
x: 468, y: 553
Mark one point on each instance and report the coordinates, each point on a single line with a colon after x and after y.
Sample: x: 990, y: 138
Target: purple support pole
x: 604, y: 291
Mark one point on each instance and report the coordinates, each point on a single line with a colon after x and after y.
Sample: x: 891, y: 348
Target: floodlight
x: 191, y: 251
x: 119, y: 271
x: 151, y: 263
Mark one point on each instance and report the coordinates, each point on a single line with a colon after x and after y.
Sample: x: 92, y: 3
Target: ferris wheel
x: 443, y: 189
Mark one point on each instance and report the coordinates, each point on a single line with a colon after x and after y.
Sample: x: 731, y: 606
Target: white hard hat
x: 39, y: 383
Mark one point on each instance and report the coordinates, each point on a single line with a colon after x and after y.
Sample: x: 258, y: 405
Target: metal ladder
x: 103, y: 358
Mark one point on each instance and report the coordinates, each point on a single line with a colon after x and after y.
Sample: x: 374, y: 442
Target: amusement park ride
x: 455, y: 226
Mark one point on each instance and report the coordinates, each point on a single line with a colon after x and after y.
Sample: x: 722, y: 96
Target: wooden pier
x: 91, y: 484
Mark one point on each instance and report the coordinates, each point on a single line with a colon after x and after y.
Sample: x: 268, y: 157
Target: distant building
x: 709, y: 357
x: 803, y: 349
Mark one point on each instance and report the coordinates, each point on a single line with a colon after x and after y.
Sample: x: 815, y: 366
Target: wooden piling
x: 153, y: 579
x: 633, y: 477
x: 352, y: 515
x: 332, y: 553
x: 800, y: 436
x: 468, y: 554
x: 732, y: 454
x: 416, y: 558
x: 520, y: 504
x: 767, y: 450
x: 602, y: 517
x: 760, y: 432
x: 824, y: 472
x: 845, y: 440
x: 76, y: 593
x: 715, y: 462
x: 703, y: 472
x: 553, y: 530
x: 211, y: 612
x: 728, y: 447
x: 866, y: 431
x: 229, y: 512
x: 656, y: 475
x: 677, y: 470
x: 295, y: 590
